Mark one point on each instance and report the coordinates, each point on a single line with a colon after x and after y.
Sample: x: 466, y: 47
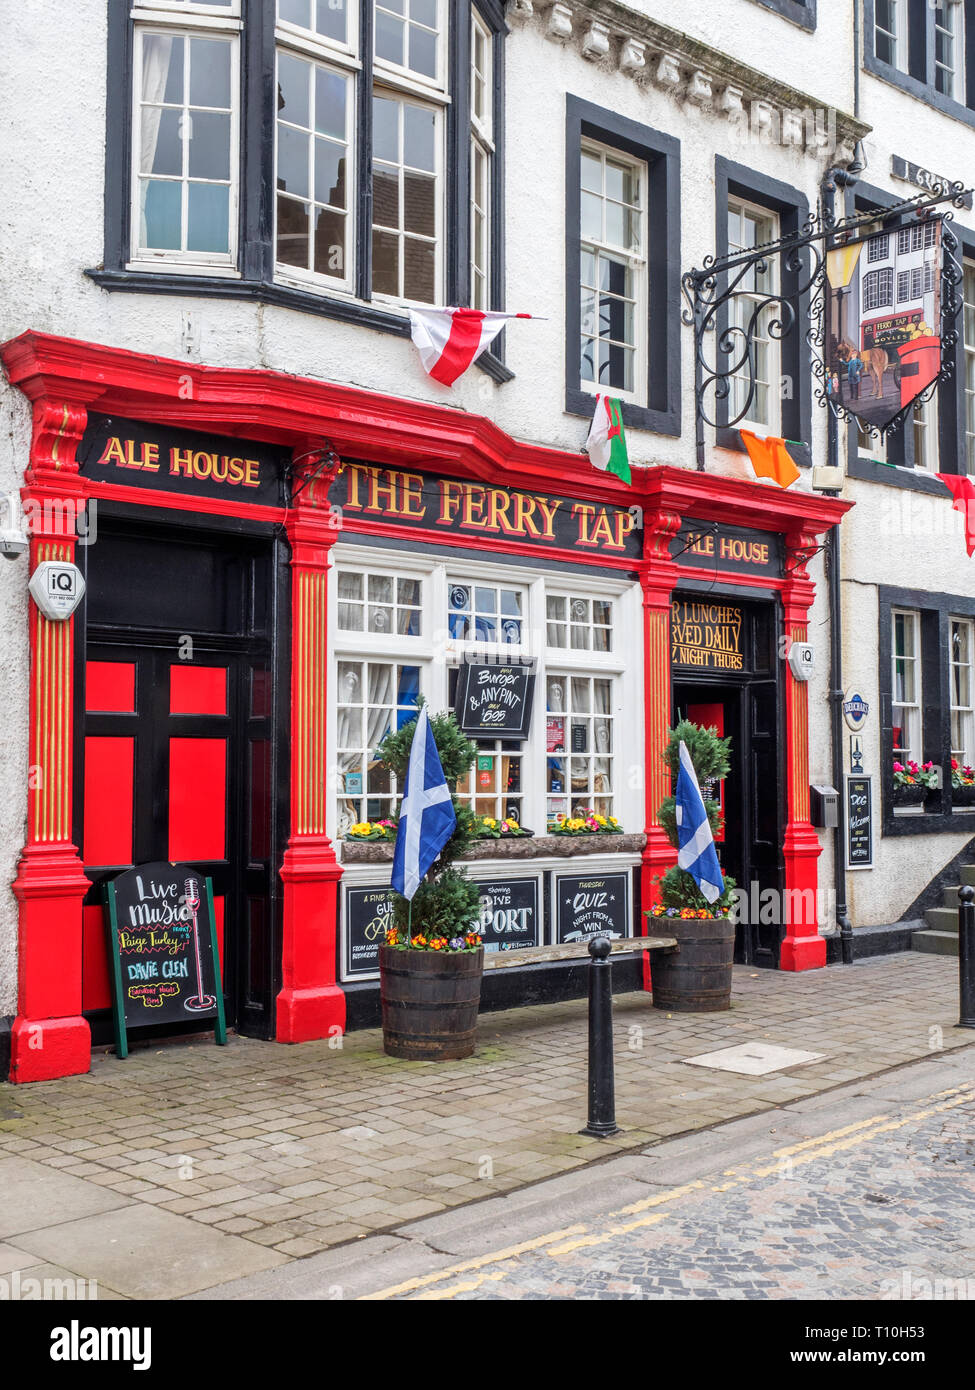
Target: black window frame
x: 255, y: 270
x: 661, y: 154
x: 936, y: 611
x: 919, y: 79
x: 900, y: 469
x: 733, y: 180
x: 801, y: 12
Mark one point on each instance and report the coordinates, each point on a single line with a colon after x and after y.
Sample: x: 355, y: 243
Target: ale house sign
x: 706, y: 635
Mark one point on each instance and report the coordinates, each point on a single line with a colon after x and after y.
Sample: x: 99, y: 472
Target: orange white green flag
x: 607, y: 441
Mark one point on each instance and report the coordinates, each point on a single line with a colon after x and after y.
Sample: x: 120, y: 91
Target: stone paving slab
x: 33, y: 1194
x: 286, y: 1151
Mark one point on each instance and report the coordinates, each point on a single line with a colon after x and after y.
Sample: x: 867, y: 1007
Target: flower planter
x: 909, y: 796
x: 963, y: 796
x: 430, y: 1001
x: 695, y: 979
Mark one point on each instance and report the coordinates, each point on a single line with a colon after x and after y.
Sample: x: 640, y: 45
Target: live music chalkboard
x: 368, y: 912
x: 163, y: 948
x: 495, y: 700
x: 509, y: 913
x: 590, y: 905
x: 859, y: 823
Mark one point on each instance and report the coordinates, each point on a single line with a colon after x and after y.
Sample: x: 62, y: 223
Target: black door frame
x: 253, y: 1018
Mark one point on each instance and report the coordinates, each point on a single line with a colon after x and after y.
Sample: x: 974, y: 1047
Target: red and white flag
x: 448, y: 340
x: 963, y: 491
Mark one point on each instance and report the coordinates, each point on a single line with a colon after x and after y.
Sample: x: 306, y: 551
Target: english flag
x: 448, y: 340
x: 962, y: 490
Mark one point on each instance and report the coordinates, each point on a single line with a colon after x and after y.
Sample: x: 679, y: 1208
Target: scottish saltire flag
x: 696, y: 854
x: 426, y: 818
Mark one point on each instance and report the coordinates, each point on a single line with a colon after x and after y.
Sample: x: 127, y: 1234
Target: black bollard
x: 602, y: 1090
x: 966, y: 957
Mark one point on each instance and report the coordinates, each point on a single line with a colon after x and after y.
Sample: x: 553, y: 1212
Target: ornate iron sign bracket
x: 727, y: 309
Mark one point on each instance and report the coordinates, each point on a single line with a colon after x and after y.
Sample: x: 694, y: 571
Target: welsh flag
x: 607, y: 442
x: 448, y: 340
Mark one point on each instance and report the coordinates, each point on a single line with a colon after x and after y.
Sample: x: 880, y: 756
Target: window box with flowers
x: 962, y: 784
x: 912, y: 783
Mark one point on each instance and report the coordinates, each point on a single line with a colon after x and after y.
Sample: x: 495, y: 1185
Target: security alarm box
x: 824, y: 807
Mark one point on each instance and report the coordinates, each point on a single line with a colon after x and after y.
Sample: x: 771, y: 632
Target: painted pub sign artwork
x: 884, y: 320
x: 163, y: 950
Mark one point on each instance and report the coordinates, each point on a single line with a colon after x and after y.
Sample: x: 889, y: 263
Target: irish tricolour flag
x: 607, y: 442
x: 448, y: 340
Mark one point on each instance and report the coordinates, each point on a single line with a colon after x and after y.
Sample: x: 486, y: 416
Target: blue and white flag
x: 696, y: 854
x: 426, y: 818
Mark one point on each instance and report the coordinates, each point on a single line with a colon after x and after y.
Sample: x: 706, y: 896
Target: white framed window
x: 320, y: 21
x: 949, y: 48
x: 961, y: 657
x: 890, y: 32
x: 371, y: 698
x: 485, y: 613
x: 380, y: 603
x: 578, y: 622
x: 409, y: 38
x: 407, y: 198
x: 878, y: 247
x: 906, y: 686
x: 185, y: 141
x: 750, y: 226
x: 579, y: 745
x: 968, y: 292
x: 482, y: 158
x: 613, y: 255
x: 871, y: 446
x: 314, y: 170
x: 925, y: 423
x: 878, y: 288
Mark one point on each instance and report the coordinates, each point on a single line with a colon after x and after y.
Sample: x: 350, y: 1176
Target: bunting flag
x: 606, y: 444
x: 962, y: 490
x: 770, y: 458
x: 448, y: 340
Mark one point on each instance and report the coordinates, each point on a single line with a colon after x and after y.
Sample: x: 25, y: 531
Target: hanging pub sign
x: 163, y: 950
x: 368, y: 913
x: 134, y: 454
x: 396, y: 497
x: 509, y: 913
x: 494, y: 699
x: 707, y: 636
x: 590, y: 905
x: 859, y: 823
x: 884, y: 319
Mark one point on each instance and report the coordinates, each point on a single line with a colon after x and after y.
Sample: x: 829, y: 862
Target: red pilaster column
x: 49, y: 1036
x: 658, y: 574
x: 310, y: 1004
x: 802, y: 946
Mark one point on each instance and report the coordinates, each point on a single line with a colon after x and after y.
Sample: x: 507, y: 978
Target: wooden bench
x: 573, y: 950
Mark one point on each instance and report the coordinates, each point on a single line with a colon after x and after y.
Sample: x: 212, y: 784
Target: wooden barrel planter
x: 430, y: 1001
x: 697, y: 978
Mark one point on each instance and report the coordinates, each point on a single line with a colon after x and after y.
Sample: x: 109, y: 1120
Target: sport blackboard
x: 591, y: 905
x: 509, y: 913
x: 368, y: 912
x: 163, y: 950
x: 859, y: 823
x: 495, y: 700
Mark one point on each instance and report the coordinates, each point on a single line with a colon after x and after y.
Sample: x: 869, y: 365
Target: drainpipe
x: 838, y: 178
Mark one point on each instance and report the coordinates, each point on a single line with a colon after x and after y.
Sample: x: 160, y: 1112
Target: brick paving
x: 300, y: 1148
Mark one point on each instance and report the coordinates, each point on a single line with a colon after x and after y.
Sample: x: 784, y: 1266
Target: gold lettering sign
x: 707, y: 635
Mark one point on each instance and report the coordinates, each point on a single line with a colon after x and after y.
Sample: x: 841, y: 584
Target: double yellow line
x: 496, y: 1265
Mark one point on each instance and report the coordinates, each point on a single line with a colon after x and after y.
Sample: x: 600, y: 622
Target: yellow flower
x: 600, y: 820
x: 613, y: 820
x: 361, y: 827
x: 513, y: 824
x: 488, y: 821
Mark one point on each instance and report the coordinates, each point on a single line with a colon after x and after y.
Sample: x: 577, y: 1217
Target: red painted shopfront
x: 268, y: 632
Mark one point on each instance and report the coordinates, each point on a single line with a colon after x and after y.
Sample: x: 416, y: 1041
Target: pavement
x: 255, y: 1160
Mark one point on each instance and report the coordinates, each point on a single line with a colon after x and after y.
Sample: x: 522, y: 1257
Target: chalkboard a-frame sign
x: 163, y: 950
x: 494, y: 699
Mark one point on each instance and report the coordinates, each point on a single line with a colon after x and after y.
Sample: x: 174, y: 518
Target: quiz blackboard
x: 859, y: 823
x: 495, y: 700
x: 591, y: 905
x: 368, y: 912
x: 163, y: 950
x: 509, y: 913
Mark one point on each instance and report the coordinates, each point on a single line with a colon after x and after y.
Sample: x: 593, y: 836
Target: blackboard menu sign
x: 509, y: 913
x: 163, y: 950
x: 859, y: 823
x: 368, y: 913
x: 495, y: 700
x: 590, y: 905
